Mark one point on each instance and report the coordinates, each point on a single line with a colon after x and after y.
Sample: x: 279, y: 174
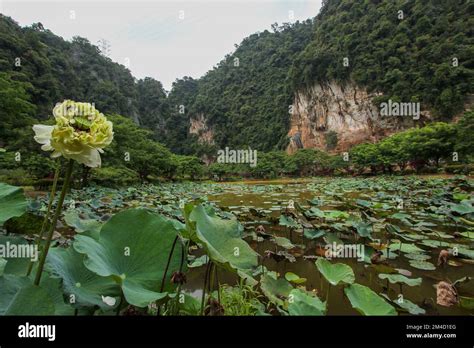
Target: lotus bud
x: 178, y: 278
x: 214, y: 308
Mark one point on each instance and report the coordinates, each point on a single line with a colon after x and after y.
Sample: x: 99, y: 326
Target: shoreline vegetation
x: 134, y: 158
x: 250, y: 248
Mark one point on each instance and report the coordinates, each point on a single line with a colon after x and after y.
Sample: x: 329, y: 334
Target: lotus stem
x: 327, y: 295
x: 168, y: 263
x: 48, y: 213
x: 184, y: 254
x: 212, y: 280
x: 218, y: 285
x: 119, y: 305
x: 166, y: 271
x: 203, y: 297
x: 59, y: 207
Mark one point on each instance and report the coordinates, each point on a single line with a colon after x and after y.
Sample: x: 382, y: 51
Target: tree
x: 188, y: 166
x: 134, y: 148
x: 464, y: 136
x: 366, y: 156
x: 16, y: 109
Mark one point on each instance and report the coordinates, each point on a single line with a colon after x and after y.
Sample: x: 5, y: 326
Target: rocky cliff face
x: 346, y: 110
x: 198, y: 125
x: 328, y: 111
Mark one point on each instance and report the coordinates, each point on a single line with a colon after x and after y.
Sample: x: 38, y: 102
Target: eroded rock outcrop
x: 198, y: 125
x: 347, y: 110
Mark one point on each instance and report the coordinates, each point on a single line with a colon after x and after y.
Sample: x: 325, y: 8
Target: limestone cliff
x: 198, y: 125
x: 346, y: 110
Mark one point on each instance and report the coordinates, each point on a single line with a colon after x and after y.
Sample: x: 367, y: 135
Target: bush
x: 16, y: 177
x: 331, y: 140
x: 114, y: 176
x: 39, y: 166
x: 459, y: 169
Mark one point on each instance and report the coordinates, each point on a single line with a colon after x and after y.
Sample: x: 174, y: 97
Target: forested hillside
x: 408, y: 50
x: 246, y: 98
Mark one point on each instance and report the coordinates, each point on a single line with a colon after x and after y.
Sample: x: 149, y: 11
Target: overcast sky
x: 162, y: 39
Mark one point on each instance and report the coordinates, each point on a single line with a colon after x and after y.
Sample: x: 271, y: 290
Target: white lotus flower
x: 80, y: 133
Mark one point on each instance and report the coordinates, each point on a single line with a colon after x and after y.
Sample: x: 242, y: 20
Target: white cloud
x: 153, y: 37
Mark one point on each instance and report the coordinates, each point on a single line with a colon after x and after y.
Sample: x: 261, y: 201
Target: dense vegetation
x: 133, y: 244
x: 407, y: 55
x: 134, y: 156
x: 256, y: 82
x: 114, y: 258
x: 44, y: 68
x: 246, y: 98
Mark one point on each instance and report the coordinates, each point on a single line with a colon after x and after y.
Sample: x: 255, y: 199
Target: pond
x: 271, y: 198
x: 398, y: 224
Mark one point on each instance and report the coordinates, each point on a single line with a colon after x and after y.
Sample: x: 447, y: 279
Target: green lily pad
x: 466, y: 302
x: 363, y: 203
x: 200, y: 261
x: 314, y: 212
x: 276, y: 290
x: 294, y: 278
x: 367, y: 302
x: 331, y: 238
x: 466, y: 252
x: 54, y: 289
x: 301, y: 303
x: 460, y: 196
x: 17, y: 265
x: 313, y: 234
x: 435, y: 243
x: 287, y: 221
x: 364, y: 229
x: 133, y: 248
x: 463, y: 208
x: 402, y: 217
x: 407, y: 248
x: 12, y: 202
x: 424, y: 265
x: 72, y: 218
x: 335, y: 273
x: 407, y: 305
x: 411, y: 307
x: 221, y: 238
x: 468, y: 234
x: 421, y: 257
x: 283, y: 242
x: 18, y: 296
x: 336, y: 214
x: 3, y: 263
x: 399, y: 278
x: 85, y: 287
